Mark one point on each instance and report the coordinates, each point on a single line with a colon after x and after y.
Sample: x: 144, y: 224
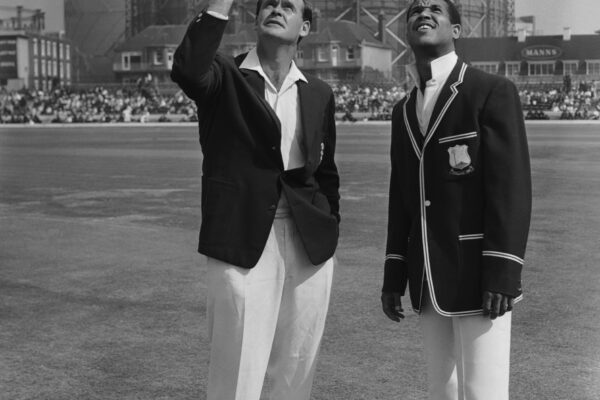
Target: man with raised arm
x: 459, y: 210
x: 270, y: 200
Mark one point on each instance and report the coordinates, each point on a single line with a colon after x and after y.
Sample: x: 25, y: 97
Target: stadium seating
x: 353, y: 102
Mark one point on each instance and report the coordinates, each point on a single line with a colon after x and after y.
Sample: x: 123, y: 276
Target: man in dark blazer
x: 270, y: 200
x: 459, y: 210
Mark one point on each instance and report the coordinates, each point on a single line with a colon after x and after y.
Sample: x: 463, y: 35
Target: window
x: 158, y: 57
x: 54, y: 50
x: 593, y: 67
x: 125, y: 61
x: 61, y: 51
x: 491, y: 68
x: 131, y: 60
x: 335, y: 49
x: 570, y: 67
x: 36, y: 71
x: 48, y: 48
x: 43, y: 47
x: 541, y: 68
x: 321, y: 54
x: 34, y: 44
x: 169, y: 59
x: 513, y: 68
x: 67, y: 52
x: 136, y: 59
x: 350, y: 53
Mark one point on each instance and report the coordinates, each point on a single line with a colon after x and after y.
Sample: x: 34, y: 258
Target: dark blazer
x: 242, y: 169
x: 460, y: 197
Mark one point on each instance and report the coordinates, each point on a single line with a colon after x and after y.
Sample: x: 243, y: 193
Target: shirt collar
x: 253, y: 63
x: 441, y: 67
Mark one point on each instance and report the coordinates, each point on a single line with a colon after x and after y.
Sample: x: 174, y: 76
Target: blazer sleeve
x: 327, y: 173
x: 195, y: 67
x: 395, y: 275
x: 507, y: 190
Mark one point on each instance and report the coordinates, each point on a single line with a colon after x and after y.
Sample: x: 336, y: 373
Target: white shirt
x: 285, y: 104
x: 440, y: 71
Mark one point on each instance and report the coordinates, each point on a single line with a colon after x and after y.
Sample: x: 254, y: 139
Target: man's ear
x: 305, y: 28
x: 456, y: 31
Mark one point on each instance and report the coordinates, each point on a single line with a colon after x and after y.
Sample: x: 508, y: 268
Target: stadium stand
x: 143, y: 103
x: 543, y: 100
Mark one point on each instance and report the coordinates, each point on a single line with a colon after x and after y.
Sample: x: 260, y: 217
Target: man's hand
x: 392, y: 305
x: 496, y: 304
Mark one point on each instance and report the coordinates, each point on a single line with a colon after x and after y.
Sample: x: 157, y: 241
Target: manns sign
x: 541, y: 52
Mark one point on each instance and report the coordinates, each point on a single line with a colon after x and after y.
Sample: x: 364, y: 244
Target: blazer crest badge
x: 460, y: 161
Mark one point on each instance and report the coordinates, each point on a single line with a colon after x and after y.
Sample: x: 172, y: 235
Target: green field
x: 102, y: 294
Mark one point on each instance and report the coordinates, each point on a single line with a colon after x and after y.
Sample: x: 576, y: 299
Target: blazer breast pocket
x: 458, y: 154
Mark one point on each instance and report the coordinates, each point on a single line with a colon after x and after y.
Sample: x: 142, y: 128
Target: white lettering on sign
x: 543, y: 52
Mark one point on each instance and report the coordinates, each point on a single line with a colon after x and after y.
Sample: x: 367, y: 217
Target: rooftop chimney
x: 316, y: 16
x: 19, y: 17
x: 381, y: 27
x: 522, y: 35
x: 37, y: 20
x: 566, y: 34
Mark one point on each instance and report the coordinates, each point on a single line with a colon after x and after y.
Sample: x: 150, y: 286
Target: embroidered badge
x: 460, y: 162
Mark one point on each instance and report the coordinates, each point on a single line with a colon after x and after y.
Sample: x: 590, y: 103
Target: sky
x: 551, y: 16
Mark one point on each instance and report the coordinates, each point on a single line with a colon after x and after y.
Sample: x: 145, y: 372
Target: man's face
x: 429, y: 26
x: 282, y: 19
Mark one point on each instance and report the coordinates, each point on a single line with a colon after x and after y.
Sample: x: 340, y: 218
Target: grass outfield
x: 102, y: 294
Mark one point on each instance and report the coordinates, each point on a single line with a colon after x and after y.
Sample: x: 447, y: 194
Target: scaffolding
x: 480, y: 18
x: 16, y: 18
x: 139, y: 14
x: 487, y: 18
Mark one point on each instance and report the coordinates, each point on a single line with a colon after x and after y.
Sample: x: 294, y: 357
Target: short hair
x: 452, y: 10
x: 307, y: 12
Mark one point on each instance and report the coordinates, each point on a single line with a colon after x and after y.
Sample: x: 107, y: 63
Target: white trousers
x: 267, y: 320
x: 467, y: 357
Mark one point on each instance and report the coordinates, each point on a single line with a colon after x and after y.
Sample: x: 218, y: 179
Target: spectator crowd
x: 353, y: 102
x: 92, y: 105
x: 566, y: 102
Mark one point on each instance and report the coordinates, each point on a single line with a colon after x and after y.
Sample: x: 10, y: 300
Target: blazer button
x: 272, y: 207
x: 427, y: 203
x: 274, y: 148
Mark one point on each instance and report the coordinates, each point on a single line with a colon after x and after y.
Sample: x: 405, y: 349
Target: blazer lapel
x: 257, y: 83
x: 411, y: 122
x: 308, y: 110
x: 446, y: 97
